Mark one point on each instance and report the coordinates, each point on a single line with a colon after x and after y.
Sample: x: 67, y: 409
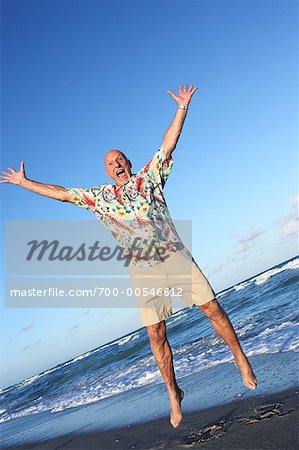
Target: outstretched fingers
x: 188, y: 89
x: 5, y: 179
x: 12, y: 176
x: 185, y: 93
x: 171, y: 94
x: 174, y: 97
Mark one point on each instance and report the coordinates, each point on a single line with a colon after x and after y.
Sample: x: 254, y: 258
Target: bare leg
x: 223, y: 327
x: 163, y: 356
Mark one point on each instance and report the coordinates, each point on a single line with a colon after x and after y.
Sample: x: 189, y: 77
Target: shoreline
x: 266, y: 421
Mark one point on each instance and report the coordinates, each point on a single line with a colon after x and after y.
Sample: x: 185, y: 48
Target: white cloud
x: 25, y: 348
x: 289, y: 222
x: 247, y: 241
x: 27, y: 327
x: 216, y: 269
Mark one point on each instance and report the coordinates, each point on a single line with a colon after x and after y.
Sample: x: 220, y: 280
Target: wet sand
x: 265, y: 422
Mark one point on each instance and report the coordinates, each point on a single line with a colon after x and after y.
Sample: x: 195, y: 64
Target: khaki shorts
x: 166, y: 284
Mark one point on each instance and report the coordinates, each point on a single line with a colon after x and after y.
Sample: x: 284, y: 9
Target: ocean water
x: 118, y: 383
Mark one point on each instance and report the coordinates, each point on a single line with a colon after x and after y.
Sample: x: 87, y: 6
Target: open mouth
x: 121, y: 173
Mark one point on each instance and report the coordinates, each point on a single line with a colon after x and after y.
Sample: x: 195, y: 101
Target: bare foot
x: 175, y: 407
x: 249, y: 379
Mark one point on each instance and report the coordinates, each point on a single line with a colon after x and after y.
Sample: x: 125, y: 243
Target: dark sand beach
x: 262, y: 422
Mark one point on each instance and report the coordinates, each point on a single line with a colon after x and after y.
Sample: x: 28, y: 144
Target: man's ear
x: 130, y: 164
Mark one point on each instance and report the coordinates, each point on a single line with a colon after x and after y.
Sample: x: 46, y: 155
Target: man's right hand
x: 48, y: 190
x: 14, y: 177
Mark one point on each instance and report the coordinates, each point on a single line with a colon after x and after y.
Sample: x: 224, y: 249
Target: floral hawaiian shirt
x: 136, y: 213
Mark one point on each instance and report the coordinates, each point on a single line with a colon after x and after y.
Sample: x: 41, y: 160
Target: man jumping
x: 136, y: 203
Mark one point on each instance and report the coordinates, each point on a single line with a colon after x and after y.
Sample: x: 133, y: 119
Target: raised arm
x: 172, y: 135
x: 48, y: 190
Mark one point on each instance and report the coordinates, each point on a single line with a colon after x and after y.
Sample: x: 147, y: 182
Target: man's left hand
x: 185, y: 95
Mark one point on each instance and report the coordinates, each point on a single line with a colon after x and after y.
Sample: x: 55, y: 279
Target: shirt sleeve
x: 159, y: 168
x: 83, y: 197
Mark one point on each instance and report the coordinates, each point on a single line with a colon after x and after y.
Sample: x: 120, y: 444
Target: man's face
x: 118, y: 167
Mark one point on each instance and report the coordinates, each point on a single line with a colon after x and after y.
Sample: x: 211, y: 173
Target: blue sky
x: 82, y: 77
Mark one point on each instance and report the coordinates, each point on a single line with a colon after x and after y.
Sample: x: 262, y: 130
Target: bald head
x: 118, y: 167
x: 112, y: 152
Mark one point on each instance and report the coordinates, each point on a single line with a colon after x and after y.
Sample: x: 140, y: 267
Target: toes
x: 251, y: 384
x: 175, y: 423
